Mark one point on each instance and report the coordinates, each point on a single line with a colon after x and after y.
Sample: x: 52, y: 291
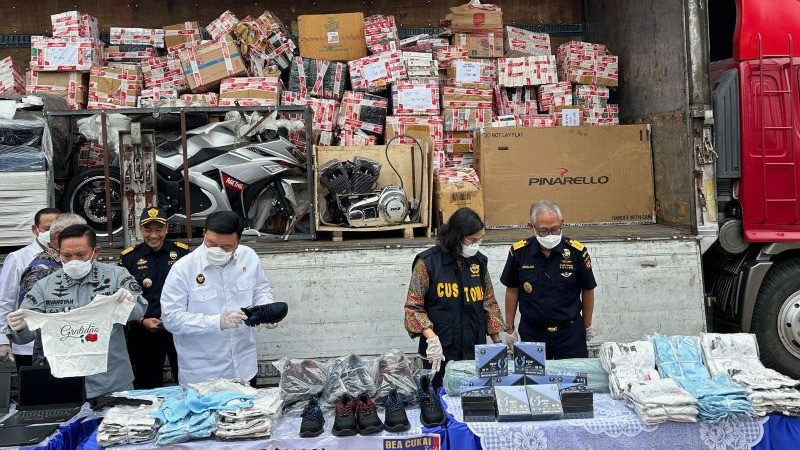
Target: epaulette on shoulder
x: 519, y: 244
x: 576, y: 245
x: 126, y: 251
x: 182, y: 245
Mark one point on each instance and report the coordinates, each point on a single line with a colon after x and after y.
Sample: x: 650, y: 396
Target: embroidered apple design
x: 91, y: 337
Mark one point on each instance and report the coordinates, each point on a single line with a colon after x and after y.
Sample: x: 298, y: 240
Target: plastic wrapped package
x: 393, y: 371
x: 21, y: 158
x: 26, y: 132
x: 597, y: 377
x: 454, y: 372
x: 348, y: 375
x: 301, y: 379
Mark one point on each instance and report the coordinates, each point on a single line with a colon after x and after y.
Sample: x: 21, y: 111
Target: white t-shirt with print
x: 75, y: 342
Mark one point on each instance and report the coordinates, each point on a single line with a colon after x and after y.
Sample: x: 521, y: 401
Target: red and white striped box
x: 73, y: 87
x: 459, y: 142
x: 457, y: 176
x: 137, y: 36
x: 380, y: 33
x: 481, y: 45
x: 532, y: 121
x: 206, y: 99
x: 181, y: 33
x: 556, y: 94
x: 373, y: 73
x: 603, y: 115
x: 587, y: 63
x: 152, y: 95
x: 608, y: 71
x: 324, y: 112
x: 519, y: 101
x: 74, y: 24
x: 415, y: 98
x: 459, y: 161
x: 466, y: 119
x: 417, y: 68
x: 356, y: 138
x: 114, y: 87
x: 454, y: 97
x: 164, y: 72
x: 250, y: 91
x: 11, y: 79
x: 444, y: 56
x: 419, y: 127
x: 472, y: 73
x: 526, y: 71
x: 116, y: 54
x: 590, y: 95
x: 439, y: 157
x: 519, y: 42
x: 207, y: 64
x: 354, y: 104
x: 423, y: 43
x: 222, y: 25
x: 90, y: 155
x: 64, y: 54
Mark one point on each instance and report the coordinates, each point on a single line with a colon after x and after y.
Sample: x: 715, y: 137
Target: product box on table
x: 514, y: 379
x: 114, y: 87
x: 491, y: 360
x: 206, y: 65
x: 459, y: 142
x: 544, y: 401
x: 181, y: 33
x: 453, y: 97
x: 476, y: 382
x: 519, y: 42
x: 12, y: 80
x: 251, y: 91
x: 375, y: 73
x: 206, y: 99
x: 64, y: 54
x: 480, y: 45
x: 526, y: 71
x: 454, y: 189
x: 332, y: 37
x: 428, y: 130
x: 415, y: 98
x: 529, y: 358
x: 478, y: 402
x: 222, y: 25
x: 323, y: 111
x: 577, y: 402
x: 137, y: 36
x: 363, y: 112
x: 74, y: 24
x: 466, y: 119
x: 561, y: 379
x: 512, y: 403
x: 472, y: 74
x: 474, y: 17
x: 71, y: 86
x: 318, y: 78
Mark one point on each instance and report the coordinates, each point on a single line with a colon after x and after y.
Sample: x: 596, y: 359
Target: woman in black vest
x: 450, y: 300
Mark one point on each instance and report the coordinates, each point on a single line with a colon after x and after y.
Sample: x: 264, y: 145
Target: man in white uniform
x: 15, y: 263
x: 202, y: 299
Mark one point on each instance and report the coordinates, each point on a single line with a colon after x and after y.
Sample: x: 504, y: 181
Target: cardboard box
x: 519, y: 42
x: 459, y: 142
x: 556, y: 94
x: 545, y: 402
x: 477, y: 382
x: 207, y: 99
x: 74, y: 24
x: 332, y: 37
x: 474, y: 17
x: 11, y: 79
x: 466, y: 119
x: 518, y: 166
x: 453, y: 97
x: 318, y: 78
x: 422, y: 43
x: 64, y: 54
x: 603, y: 115
x: 529, y: 358
x: 446, y: 55
x: 150, y: 96
x: 164, y: 72
x: 128, y: 54
x: 480, y: 45
x: 519, y: 101
x: 114, y: 87
x: 526, y: 71
x: 587, y: 63
x: 591, y: 96
x: 71, y: 86
x: 181, y: 33
x: 206, y: 65
x: 458, y: 161
x: 362, y: 112
x: 536, y: 120
x: 323, y: 111
x: 375, y: 73
x: 491, y: 360
x: 428, y: 130
x: 454, y: 189
x: 472, y: 74
x: 569, y: 115
x: 415, y: 98
x: 251, y: 91
x: 381, y: 33
x: 137, y: 36
x: 222, y: 25
x: 512, y: 403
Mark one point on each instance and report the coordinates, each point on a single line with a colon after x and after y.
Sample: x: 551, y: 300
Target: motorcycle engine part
x: 333, y: 175
x: 389, y: 206
x: 364, y: 175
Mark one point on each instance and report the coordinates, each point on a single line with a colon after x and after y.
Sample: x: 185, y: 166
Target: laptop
x: 45, y: 399
x: 29, y: 435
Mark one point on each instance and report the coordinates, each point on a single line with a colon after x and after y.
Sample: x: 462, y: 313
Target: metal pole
x: 186, y: 193
x: 107, y: 178
x: 310, y: 175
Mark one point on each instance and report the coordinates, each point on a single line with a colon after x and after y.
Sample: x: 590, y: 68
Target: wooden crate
x: 400, y: 157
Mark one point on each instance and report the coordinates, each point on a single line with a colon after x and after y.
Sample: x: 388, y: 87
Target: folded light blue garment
x: 194, y: 426
x: 162, y: 392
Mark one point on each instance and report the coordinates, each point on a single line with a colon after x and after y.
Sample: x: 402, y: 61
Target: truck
x: 723, y: 251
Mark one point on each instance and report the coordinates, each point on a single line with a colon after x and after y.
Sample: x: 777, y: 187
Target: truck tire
x: 776, y: 318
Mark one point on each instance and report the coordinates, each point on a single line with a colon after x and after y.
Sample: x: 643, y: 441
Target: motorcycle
x: 262, y: 177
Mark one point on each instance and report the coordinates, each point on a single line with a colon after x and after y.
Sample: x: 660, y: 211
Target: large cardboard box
x: 205, y: 66
x: 181, y: 33
x: 454, y: 189
x: 475, y: 17
x: 73, y: 87
x: 251, y: 91
x: 114, y: 87
x: 332, y: 37
x: 595, y: 174
x: 480, y: 45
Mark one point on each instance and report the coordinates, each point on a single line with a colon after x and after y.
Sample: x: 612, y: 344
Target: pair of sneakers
x: 356, y: 416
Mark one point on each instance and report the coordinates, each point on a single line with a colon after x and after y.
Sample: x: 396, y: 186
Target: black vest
x: 454, y: 302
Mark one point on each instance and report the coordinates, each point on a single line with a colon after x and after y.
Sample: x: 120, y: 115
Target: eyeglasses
x: 547, y: 231
x: 473, y: 241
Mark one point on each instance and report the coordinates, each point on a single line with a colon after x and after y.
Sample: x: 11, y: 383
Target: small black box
x: 529, y: 358
x: 491, y: 360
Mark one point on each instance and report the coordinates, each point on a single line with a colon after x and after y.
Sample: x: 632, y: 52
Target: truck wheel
x: 776, y: 318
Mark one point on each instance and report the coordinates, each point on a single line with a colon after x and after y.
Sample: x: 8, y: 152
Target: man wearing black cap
x: 149, y: 262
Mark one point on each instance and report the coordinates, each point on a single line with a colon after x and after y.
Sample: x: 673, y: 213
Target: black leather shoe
x: 431, y: 411
x: 396, y: 419
x: 269, y: 313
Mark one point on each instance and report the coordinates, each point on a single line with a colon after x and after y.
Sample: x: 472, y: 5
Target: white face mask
x: 77, y: 269
x: 43, y: 238
x: 549, y: 242
x: 217, y: 256
x: 468, y: 251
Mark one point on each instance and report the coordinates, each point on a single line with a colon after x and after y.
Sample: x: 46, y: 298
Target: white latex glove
x: 589, y: 333
x: 511, y: 339
x: 16, y: 320
x: 268, y: 326
x: 435, y: 354
x: 231, y: 319
x: 5, y: 353
x: 123, y: 295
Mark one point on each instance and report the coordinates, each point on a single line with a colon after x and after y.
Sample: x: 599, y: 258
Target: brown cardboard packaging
x: 181, y: 33
x: 568, y: 114
x: 450, y: 196
x: 71, y: 86
x: 480, y: 45
x: 114, y: 87
x: 595, y: 174
x: 332, y: 37
x: 208, y: 64
x: 471, y: 18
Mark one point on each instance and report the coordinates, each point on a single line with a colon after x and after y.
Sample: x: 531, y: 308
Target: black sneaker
x: 368, y: 420
x: 431, y: 412
x: 344, y: 424
x: 269, y: 313
x: 396, y: 418
x: 313, y: 420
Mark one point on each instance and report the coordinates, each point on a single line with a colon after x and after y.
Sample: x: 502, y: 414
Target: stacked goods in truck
x: 423, y: 43
x: 446, y: 55
x: 380, y: 33
x: 128, y: 54
x: 553, y: 95
x: 519, y: 42
x: 453, y: 97
x: 466, y: 119
x: 151, y: 96
x: 375, y: 73
x: 164, y: 72
x: 73, y: 87
x: 362, y: 116
x: 153, y: 37
x: 114, y: 87
x: 324, y: 112
x: 332, y: 37
x: 471, y: 73
x: 587, y: 63
x: 318, y: 78
x: 527, y: 121
x: 427, y: 130
x: 74, y: 24
x: 477, y: 28
x: 515, y: 101
x: 11, y: 79
x: 206, y: 99
x: 453, y: 189
x: 222, y: 25
x: 206, y: 65
x: 480, y: 45
x: 420, y: 65
x: 594, y: 99
x: 251, y: 91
